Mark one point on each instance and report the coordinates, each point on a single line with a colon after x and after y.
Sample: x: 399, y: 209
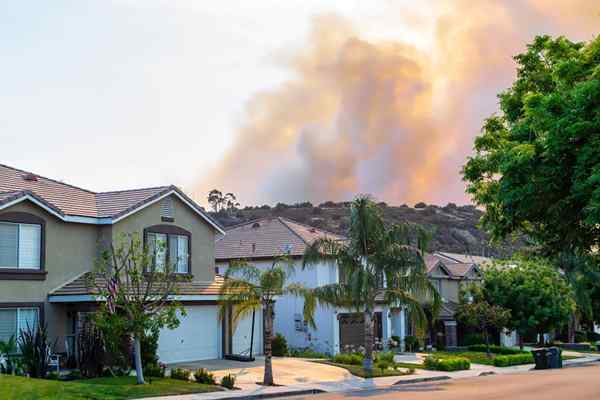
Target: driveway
x: 287, y: 371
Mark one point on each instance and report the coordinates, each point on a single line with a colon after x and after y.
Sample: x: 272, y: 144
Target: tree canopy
x: 539, y: 298
x: 536, y: 167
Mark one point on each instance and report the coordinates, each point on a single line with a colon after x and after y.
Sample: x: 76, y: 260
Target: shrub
x: 470, y: 339
x: 348, y: 358
x: 386, y: 356
x: 447, y: 364
x: 8, y: 363
x: 35, y: 351
x: 228, y: 381
x: 513, y: 359
x: 279, y: 346
x: 203, y: 376
x: 155, y: 370
x: 383, y: 365
x: 495, y: 349
x: 149, y: 345
x: 182, y: 374
x: 306, y: 353
x: 90, y: 351
x: 412, y: 343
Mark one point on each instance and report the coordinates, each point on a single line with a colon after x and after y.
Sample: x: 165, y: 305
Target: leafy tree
x: 222, y: 202
x: 248, y: 288
x: 473, y: 310
x: 137, y: 293
x: 536, y: 167
x: 377, y: 264
x: 537, y: 295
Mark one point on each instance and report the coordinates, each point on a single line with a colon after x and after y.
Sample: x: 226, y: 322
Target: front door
x: 352, y: 329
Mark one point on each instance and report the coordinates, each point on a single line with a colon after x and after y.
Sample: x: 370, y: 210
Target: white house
x: 259, y: 242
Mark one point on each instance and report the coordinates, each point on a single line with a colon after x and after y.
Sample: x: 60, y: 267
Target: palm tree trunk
x: 268, y: 324
x: 138, y: 360
x: 368, y: 360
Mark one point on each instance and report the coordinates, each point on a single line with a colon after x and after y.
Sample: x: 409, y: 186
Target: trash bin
x: 540, y: 358
x: 554, y: 357
x: 546, y: 358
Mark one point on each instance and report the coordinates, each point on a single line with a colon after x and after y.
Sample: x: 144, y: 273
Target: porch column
x: 387, y: 326
x: 335, y: 342
x: 402, y: 333
x: 450, y: 330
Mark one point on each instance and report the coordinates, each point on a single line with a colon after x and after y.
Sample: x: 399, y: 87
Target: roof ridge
x: 252, y: 221
x: 131, y: 190
x: 281, y: 219
x: 311, y: 227
x: 49, y: 179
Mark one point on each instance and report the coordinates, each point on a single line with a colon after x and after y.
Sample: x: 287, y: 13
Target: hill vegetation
x: 453, y: 228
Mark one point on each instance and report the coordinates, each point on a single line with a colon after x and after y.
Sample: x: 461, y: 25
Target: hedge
x: 447, y: 364
x: 348, y: 358
x: 495, y: 349
x: 513, y: 359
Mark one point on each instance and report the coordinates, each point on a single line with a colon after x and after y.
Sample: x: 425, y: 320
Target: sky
x: 272, y: 100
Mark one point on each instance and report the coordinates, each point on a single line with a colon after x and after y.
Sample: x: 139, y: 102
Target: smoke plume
x: 387, y: 118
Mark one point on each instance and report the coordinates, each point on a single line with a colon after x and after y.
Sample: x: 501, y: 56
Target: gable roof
x: 73, y: 204
x: 463, y: 258
x: 267, y: 238
x: 455, y: 266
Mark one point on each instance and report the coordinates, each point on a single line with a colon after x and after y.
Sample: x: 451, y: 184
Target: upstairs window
x: 169, y: 247
x: 20, y: 245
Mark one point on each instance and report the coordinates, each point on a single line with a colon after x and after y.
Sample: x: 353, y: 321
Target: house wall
x: 70, y: 251
x: 288, y: 308
x: 203, y: 235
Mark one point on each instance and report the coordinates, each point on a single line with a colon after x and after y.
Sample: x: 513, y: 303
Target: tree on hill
x: 222, y: 202
x: 536, y: 167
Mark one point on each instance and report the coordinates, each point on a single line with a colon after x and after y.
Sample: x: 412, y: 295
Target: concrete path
x: 300, y: 376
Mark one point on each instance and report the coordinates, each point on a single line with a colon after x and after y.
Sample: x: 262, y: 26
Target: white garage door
x: 243, y: 333
x: 196, y: 338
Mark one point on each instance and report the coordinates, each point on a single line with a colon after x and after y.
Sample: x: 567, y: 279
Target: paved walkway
x: 297, y: 375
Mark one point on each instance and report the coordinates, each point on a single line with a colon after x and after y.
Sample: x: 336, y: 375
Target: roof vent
x: 256, y: 225
x: 30, y: 177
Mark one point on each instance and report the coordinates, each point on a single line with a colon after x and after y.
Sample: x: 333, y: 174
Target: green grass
x: 357, y: 370
x: 16, y: 387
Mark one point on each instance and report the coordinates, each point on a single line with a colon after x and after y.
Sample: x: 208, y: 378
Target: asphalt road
x: 580, y: 383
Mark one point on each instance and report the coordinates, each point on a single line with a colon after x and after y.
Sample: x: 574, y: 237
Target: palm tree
x: 248, y: 288
x: 377, y: 265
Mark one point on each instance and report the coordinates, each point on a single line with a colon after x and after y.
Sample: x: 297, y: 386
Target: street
x: 580, y: 383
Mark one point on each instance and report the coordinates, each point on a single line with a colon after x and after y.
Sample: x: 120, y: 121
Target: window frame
x: 17, y: 306
x: 171, y: 230
x: 17, y: 273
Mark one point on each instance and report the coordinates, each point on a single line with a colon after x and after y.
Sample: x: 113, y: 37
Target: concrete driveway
x: 286, y: 371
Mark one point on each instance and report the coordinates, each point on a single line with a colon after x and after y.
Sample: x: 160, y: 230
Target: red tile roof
x: 268, y: 237
x: 70, y: 200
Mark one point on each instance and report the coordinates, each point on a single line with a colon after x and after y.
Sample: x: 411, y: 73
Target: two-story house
x: 261, y: 241
x: 51, y: 233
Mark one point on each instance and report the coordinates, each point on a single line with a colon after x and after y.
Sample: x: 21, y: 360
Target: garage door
x: 243, y: 332
x: 196, y: 338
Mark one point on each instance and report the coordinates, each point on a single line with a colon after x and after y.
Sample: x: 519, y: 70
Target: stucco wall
x: 326, y: 337
x: 203, y: 235
x: 70, y: 251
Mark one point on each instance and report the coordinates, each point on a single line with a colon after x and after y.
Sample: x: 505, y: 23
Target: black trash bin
x: 554, y: 355
x: 540, y: 357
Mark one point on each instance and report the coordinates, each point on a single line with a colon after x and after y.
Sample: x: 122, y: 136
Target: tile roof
x: 458, y: 265
x: 69, y: 200
x: 464, y: 258
x: 79, y: 287
x: 268, y: 237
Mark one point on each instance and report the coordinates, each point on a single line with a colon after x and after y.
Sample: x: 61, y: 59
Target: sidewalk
x: 250, y: 390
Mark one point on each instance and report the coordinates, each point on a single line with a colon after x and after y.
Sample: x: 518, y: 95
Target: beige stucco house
x: 52, y: 232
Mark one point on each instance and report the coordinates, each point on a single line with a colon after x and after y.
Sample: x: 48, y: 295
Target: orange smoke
x: 384, y: 117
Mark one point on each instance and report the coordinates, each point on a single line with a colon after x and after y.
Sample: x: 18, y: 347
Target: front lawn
x: 357, y: 370
x: 16, y: 387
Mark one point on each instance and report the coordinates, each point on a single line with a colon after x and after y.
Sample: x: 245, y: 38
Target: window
x: 15, y: 320
x: 20, y: 245
x: 171, y: 247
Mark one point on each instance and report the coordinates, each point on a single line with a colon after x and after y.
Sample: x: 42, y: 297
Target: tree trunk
x: 487, y: 343
x: 571, y: 328
x: 138, y: 360
x: 520, y: 340
x: 368, y: 360
x: 268, y: 323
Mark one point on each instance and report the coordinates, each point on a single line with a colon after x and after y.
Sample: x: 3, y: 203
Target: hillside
x: 454, y: 228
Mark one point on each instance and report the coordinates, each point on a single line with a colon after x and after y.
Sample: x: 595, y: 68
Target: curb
x: 421, y: 380
x: 274, y: 395
x: 582, y: 363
